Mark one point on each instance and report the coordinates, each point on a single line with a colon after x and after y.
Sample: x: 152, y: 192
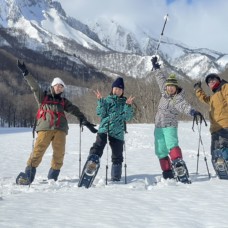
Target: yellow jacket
x: 218, y: 102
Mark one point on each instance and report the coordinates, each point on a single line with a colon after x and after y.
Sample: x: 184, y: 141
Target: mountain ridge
x: 43, y: 26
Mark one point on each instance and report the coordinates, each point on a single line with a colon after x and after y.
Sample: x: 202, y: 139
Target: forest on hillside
x: 18, y: 106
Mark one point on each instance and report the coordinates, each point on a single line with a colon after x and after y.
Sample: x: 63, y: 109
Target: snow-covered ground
x: 139, y: 203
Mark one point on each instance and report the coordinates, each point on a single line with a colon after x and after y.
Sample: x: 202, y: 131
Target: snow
x: 30, y: 30
x: 61, y: 28
x: 116, y: 38
x: 139, y: 203
x: 223, y: 61
x: 172, y: 51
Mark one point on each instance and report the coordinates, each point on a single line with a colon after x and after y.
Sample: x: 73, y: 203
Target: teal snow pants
x: 165, y: 139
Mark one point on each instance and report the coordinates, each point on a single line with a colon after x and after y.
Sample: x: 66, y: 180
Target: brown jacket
x: 50, y: 115
x: 218, y: 102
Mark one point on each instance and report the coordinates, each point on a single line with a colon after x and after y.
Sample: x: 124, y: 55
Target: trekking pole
x: 125, y: 155
x: 201, y: 142
x: 106, y: 174
x: 205, y: 158
x: 33, y: 136
x: 33, y: 145
x: 125, y: 164
x: 166, y: 19
x: 197, y: 165
x: 80, y: 147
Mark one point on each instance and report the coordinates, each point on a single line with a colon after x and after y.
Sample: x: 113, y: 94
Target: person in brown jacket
x: 218, y: 115
x: 51, y: 126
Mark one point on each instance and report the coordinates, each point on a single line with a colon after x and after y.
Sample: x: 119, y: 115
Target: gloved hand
x: 155, y: 63
x: 22, y: 68
x: 197, y: 85
x: 195, y: 113
x: 90, y: 126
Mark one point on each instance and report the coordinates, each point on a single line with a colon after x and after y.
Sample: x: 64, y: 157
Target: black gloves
x: 195, y: 113
x: 197, y: 85
x: 22, y: 68
x: 89, y: 125
x: 155, y: 63
x: 197, y: 117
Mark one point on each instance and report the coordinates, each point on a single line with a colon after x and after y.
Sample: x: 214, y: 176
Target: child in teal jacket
x: 114, y: 110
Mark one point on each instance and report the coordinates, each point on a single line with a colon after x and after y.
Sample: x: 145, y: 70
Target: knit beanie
x: 212, y: 76
x: 119, y: 83
x: 171, y: 80
x: 58, y: 81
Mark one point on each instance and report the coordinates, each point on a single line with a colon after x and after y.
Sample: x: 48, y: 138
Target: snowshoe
x: 220, y: 163
x: 89, y: 172
x: 22, y: 179
x: 27, y: 177
x: 180, y: 171
x: 91, y: 168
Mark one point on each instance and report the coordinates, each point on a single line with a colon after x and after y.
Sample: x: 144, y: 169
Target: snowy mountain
x: 44, y: 21
x: 190, y: 61
x: 105, y: 44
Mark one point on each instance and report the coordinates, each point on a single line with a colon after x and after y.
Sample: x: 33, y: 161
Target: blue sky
x: 197, y: 23
x: 171, y: 1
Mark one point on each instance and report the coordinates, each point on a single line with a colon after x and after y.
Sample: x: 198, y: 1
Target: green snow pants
x: 165, y: 139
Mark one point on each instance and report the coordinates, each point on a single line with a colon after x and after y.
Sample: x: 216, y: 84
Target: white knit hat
x: 58, y: 81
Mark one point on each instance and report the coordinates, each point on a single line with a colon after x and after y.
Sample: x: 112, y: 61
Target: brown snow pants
x: 44, y: 138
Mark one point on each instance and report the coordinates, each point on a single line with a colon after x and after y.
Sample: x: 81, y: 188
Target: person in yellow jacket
x: 218, y: 115
x: 51, y: 126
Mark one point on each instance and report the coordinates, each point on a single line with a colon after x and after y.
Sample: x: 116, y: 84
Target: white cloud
x: 203, y: 23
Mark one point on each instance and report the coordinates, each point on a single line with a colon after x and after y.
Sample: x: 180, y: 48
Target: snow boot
x: 180, y: 171
x: 31, y: 172
x: 53, y: 174
x: 27, y: 177
x: 220, y: 163
x: 116, y: 172
x: 168, y: 174
x: 165, y: 163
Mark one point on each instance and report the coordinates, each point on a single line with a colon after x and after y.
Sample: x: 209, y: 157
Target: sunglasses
x: 212, y: 80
